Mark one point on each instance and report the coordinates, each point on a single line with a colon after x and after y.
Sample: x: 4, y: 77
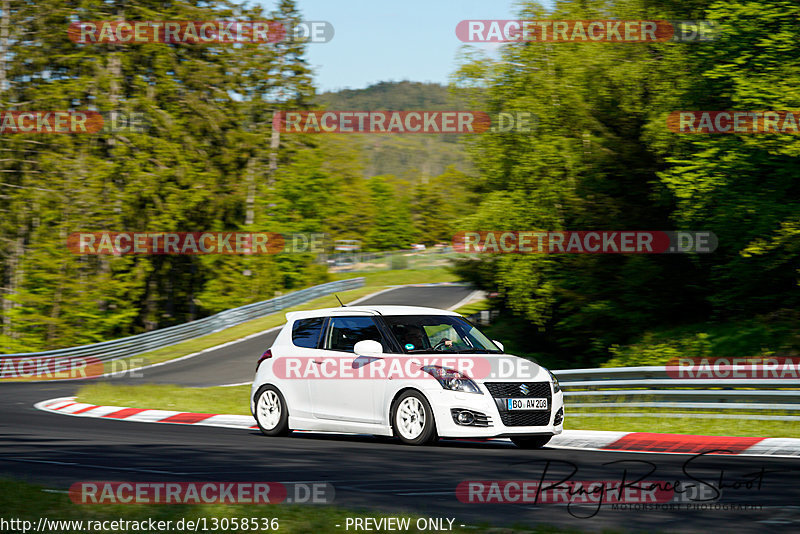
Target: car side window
x: 306, y: 332
x: 345, y: 332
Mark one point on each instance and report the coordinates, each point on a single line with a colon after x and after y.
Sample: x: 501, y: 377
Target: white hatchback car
x: 411, y: 372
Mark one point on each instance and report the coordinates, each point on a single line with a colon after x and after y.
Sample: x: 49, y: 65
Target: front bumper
x: 443, y: 402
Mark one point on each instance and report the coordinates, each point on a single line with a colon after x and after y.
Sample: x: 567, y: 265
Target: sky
x: 378, y: 40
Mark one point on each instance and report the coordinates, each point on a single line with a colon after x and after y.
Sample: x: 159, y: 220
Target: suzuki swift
x: 411, y: 372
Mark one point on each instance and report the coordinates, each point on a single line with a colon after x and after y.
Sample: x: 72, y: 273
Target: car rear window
x: 306, y: 332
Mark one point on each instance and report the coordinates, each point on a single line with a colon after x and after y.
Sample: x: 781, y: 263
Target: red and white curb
x: 643, y: 442
x: 68, y: 406
x: 646, y: 442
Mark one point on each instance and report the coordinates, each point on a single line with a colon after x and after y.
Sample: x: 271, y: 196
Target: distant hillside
x: 400, y: 155
x: 396, y: 96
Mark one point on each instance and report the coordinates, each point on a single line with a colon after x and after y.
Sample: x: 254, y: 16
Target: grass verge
x: 401, y: 277
x: 225, y: 400
x: 234, y: 400
x: 474, y: 307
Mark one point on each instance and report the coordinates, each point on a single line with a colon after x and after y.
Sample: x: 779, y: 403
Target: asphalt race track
x: 58, y: 450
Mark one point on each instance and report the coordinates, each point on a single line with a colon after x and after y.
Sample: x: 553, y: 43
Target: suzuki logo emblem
x: 524, y: 389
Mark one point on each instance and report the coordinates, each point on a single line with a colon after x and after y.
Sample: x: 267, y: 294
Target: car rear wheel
x: 412, y: 419
x: 272, y: 415
x: 536, y: 442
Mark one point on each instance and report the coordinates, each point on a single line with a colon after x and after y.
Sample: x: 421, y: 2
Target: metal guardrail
x: 140, y: 343
x: 388, y: 260
x: 661, y: 391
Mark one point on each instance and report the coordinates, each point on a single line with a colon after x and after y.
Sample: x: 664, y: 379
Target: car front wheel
x: 272, y: 415
x: 412, y: 419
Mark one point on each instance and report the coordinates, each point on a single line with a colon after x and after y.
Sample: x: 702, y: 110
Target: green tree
x: 392, y: 228
x: 588, y: 165
x: 742, y: 187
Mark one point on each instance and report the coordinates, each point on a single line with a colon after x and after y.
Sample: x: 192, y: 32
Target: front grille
x: 537, y: 418
x: 510, y: 390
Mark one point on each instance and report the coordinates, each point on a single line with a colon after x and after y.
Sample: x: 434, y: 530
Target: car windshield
x: 438, y: 333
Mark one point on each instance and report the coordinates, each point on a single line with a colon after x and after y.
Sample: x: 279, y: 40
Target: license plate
x: 526, y: 404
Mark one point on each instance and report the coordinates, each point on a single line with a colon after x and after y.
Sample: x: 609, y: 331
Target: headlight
x: 556, y: 385
x: 452, y: 380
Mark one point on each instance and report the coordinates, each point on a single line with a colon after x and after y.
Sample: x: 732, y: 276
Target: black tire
x: 533, y: 442
x: 281, y: 428
x: 428, y: 433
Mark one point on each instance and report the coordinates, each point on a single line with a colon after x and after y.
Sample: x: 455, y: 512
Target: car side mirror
x: 368, y: 348
x: 499, y: 345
